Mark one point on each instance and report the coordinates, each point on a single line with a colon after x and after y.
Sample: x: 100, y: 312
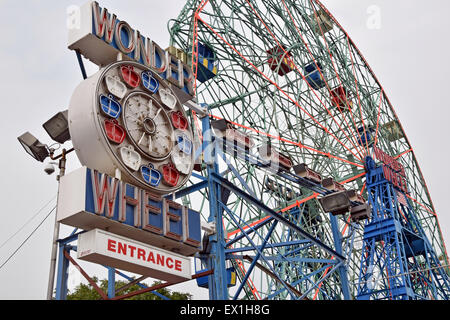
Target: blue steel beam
x: 226, y: 184
x: 283, y: 244
x: 218, y: 289
x: 143, y: 286
x: 252, y: 265
x: 193, y: 188
x: 231, y: 215
x: 337, y: 237
x: 246, y: 233
x: 62, y: 273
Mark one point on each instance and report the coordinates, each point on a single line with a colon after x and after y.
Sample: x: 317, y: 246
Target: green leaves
x: 87, y: 292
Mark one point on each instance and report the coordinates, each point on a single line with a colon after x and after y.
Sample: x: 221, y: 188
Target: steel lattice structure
x: 286, y: 74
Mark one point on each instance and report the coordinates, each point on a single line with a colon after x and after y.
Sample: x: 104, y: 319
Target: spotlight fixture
x: 33, y: 147
x: 58, y: 127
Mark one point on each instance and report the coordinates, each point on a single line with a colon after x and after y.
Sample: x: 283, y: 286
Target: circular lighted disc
x: 144, y: 116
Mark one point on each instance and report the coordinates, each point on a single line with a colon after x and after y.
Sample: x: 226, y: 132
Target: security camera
x: 49, y: 168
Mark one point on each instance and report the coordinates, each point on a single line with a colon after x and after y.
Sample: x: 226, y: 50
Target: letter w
x: 102, y: 23
x: 104, y: 191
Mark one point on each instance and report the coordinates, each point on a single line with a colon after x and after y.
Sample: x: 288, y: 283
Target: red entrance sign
x: 106, y: 248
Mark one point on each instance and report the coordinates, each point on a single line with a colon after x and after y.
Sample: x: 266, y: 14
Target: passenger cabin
x: 394, y: 130
x: 341, y: 99
x: 281, y: 161
x: 361, y: 212
x: 366, y: 136
x: 207, y: 63
x: 337, y: 203
x: 314, y: 75
x: 354, y: 196
x: 321, y: 21
x: 280, y: 60
x: 228, y: 132
x: 330, y: 184
x: 303, y: 171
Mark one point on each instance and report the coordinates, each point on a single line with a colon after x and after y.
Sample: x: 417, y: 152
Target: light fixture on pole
x: 58, y: 127
x: 34, y: 147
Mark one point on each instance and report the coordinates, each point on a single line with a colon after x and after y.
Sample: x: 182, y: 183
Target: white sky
x: 409, y: 55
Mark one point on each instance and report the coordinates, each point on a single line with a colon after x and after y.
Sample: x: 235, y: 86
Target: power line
x: 9, y: 258
x: 26, y: 223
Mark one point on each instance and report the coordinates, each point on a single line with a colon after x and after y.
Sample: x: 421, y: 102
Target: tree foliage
x: 87, y: 292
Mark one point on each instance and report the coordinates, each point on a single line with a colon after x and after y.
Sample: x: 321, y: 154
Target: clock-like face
x: 148, y: 125
x: 135, y: 125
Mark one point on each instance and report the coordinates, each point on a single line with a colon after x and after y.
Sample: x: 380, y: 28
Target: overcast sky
x: 408, y: 53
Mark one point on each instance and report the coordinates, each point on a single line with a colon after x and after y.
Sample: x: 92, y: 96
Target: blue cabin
x: 207, y: 63
x: 366, y: 136
x: 313, y: 75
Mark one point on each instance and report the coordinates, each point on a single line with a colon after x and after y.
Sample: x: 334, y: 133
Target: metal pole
x: 51, y: 277
x: 218, y: 280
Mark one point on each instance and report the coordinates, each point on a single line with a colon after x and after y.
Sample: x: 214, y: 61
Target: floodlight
x: 33, y: 147
x: 337, y: 203
x: 58, y: 127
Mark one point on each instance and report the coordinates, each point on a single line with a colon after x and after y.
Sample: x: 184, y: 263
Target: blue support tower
x: 397, y: 261
x: 218, y: 289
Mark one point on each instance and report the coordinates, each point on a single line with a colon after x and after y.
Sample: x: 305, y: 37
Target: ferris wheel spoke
x: 150, y: 144
x: 289, y: 97
x: 141, y: 139
x: 157, y: 113
x: 300, y: 73
x: 337, y: 74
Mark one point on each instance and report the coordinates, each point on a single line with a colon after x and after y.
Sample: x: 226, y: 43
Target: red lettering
x: 387, y: 173
x: 404, y: 185
x: 122, y: 248
x: 151, y: 258
x: 394, y: 178
x: 169, y: 263
x: 141, y: 254
x: 160, y: 259
x: 132, y: 249
x: 402, y: 171
x: 384, y: 158
x: 104, y: 193
x: 178, y: 265
x: 111, y: 245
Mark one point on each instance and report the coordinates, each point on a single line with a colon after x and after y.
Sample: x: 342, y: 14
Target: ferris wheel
x: 294, y: 110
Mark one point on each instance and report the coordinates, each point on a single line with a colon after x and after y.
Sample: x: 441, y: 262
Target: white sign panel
x: 90, y: 200
x: 105, y: 248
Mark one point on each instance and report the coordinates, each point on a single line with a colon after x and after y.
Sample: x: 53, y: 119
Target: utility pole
x: 51, y: 277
